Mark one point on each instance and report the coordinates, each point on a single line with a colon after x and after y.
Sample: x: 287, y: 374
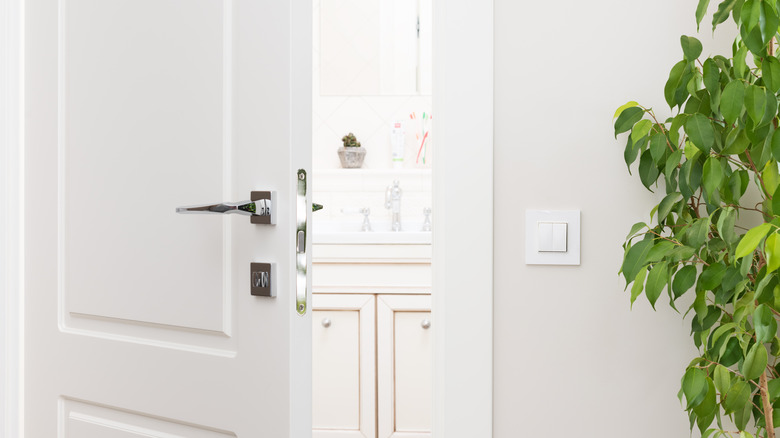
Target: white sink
x: 337, y: 232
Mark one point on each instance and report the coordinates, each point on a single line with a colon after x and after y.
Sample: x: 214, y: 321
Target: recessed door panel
x: 413, y: 371
x: 85, y: 420
x: 144, y: 126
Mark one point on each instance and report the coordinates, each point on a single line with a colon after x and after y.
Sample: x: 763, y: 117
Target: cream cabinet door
x: 404, y: 366
x: 139, y: 322
x: 343, y: 366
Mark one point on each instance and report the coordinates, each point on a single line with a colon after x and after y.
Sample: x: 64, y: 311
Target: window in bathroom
x: 372, y: 331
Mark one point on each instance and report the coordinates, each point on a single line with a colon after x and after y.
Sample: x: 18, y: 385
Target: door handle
x: 261, y: 208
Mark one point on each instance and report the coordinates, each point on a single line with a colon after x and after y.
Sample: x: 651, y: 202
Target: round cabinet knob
x: 326, y: 322
x: 426, y: 324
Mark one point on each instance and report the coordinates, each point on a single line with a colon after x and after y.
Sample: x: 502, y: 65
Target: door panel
x: 83, y: 419
x: 145, y: 105
x: 139, y: 321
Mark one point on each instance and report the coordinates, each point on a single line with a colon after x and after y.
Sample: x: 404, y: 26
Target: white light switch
x: 552, y: 237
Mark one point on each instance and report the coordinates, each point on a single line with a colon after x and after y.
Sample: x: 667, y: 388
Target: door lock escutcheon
x: 261, y: 208
x: 261, y: 280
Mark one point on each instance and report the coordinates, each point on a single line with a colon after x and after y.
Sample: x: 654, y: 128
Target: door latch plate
x: 262, y: 279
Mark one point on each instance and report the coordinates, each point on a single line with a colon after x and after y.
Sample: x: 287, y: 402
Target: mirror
x: 375, y: 47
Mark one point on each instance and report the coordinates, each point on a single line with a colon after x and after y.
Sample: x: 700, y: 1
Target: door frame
x: 11, y: 224
x: 463, y: 243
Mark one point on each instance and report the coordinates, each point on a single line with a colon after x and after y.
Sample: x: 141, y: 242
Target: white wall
x: 571, y: 359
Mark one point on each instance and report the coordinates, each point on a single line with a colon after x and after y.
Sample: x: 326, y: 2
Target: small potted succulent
x: 351, y: 154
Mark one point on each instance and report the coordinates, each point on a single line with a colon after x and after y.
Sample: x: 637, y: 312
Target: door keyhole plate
x: 261, y: 280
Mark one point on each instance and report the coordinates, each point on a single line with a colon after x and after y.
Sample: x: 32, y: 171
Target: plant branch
x: 764, y: 388
x: 758, y: 174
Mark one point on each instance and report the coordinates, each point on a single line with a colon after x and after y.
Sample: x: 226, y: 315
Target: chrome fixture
x: 326, y: 322
x: 260, y: 208
x: 365, y: 211
x: 301, y: 229
x: 393, y: 203
x: 426, y: 226
x: 366, y: 226
x: 426, y: 323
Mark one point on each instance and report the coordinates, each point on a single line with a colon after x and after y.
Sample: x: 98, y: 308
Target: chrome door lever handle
x: 260, y: 208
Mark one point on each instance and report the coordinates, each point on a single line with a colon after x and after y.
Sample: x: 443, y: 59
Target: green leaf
x: 736, y: 142
x: 755, y: 102
x: 751, y: 13
x: 769, y: 23
x: 722, y: 379
x: 771, y: 73
x: 740, y: 64
x: 712, y: 275
x: 694, y: 386
x: 776, y: 144
x: 770, y: 176
x: 731, y: 353
x: 731, y: 102
x: 764, y: 323
x: 684, y: 280
x: 711, y: 76
x: 635, y: 228
x: 658, y: 146
x: 627, y: 119
x: 635, y: 259
x: 660, y: 250
x: 741, y: 419
x: 638, y: 285
x: 700, y: 131
x: 701, y: 9
x: 737, y: 397
x: 705, y: 411
x: 713, y: 175
x: 665, y: 207
x: 726, y: 222
x: 772, y: 249
x: 751, y: 239
x: 648, y: 171
x: 640, y: 130
x: 658, y: 278
x: 675, y: 77
x: 691, y: 47
x: 697, y: 233
x: 755, y: 361
x: 623, y: 107
x: 722, y: 14
x: 774, y: 389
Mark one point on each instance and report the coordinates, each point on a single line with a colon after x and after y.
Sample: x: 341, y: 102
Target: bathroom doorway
x: 372, y: 161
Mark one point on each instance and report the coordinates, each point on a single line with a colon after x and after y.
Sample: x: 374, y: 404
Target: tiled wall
x: 370, y: 118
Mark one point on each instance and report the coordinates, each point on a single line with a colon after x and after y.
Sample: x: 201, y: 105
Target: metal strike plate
x: 270, y: 200
x: 262, y: 282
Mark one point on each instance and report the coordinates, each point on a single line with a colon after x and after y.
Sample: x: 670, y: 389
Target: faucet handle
x: 426, y: 226
x: 365, y: 211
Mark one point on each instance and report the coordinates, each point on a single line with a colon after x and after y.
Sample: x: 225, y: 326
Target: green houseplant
x: 714, y: 239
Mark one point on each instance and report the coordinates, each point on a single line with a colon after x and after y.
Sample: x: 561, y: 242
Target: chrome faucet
x: 393, y: 203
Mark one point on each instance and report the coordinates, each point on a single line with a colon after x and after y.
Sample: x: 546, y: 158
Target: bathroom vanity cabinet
x: 372, y: 341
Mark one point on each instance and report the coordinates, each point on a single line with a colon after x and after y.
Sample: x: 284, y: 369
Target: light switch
x: 559, y: 237
x: 552, y: 237
x: 545, y: 236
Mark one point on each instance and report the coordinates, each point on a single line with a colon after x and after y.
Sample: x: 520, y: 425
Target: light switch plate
x: 552, y: 237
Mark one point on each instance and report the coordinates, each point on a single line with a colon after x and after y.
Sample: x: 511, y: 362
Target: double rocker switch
x: 552, y: 236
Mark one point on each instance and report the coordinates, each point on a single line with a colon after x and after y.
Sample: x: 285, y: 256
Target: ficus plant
x: 715, y: 236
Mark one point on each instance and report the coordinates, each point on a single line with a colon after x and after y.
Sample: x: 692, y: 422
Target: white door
x: 138, y: 321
